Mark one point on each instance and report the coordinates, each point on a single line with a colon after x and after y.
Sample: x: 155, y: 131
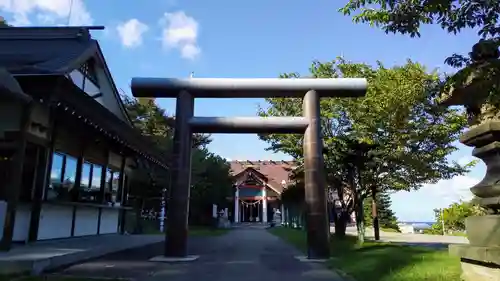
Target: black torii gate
x: 186, y: 90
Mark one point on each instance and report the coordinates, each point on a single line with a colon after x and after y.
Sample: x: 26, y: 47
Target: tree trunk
x: 360, y: 222
x: 376, y: 225
x: 341, y: 223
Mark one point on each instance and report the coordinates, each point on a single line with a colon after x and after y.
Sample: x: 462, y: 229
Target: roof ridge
x: 45, y: 33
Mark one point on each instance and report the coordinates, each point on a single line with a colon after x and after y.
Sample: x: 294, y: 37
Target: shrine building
x: 68, y: 150
x: 258, y: 188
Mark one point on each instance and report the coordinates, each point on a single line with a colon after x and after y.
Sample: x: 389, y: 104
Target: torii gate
x: 186, y: 90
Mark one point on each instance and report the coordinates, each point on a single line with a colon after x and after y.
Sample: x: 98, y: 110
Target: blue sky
x: 260, y: 38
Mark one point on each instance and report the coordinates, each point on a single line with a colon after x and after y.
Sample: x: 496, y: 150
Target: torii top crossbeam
x: 248, y: 87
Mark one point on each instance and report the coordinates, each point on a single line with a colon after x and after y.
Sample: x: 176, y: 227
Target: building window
x: 96, y: 177
x: 85, y: 79
x: 56, y: 171
x: 87, y: 193
x: 85, y: 180
x: 90, y: 88
x: 62, y: 177
x: 62, y: 180
x: 112, y: 184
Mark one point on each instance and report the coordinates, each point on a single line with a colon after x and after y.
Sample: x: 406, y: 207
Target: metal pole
x: 178, y: 203
x: 315, y: 194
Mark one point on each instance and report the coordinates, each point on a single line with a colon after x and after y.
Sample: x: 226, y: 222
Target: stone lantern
x: 477, y: 87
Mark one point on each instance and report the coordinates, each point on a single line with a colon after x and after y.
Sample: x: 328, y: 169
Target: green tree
x: 211, y: 183
x: 386, y: 217
x: 408, y: 16
x: 396, y: 138
x: 3, y: 22
x: 454, y: 217
x: 210, y: 177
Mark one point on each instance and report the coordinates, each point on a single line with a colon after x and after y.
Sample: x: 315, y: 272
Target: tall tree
x: 398, y: 126
x: 210, y: 177
x: 408, y: 16
x: 211, y: 184
x: 386, y: 217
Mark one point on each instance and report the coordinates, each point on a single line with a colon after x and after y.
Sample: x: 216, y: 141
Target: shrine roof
x: 58, y: 49
x: 275, y: 172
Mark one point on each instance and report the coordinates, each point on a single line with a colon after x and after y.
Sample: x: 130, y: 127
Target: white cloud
x: 419, y: 205
x: 180, y: 31
x: 131, y: 32
x: 47, y: 11
x: 452, y: 190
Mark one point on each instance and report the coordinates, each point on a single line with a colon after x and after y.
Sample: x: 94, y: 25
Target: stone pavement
x: 48, y: 255
x: 242, y: 254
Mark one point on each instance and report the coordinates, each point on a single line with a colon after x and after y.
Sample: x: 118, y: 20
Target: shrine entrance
x: 251, y: 210
x: 309, y: 89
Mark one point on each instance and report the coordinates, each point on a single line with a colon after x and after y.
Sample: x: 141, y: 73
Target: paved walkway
x: 47, y: 255
x: 426, y: 240
x: 242, y: 254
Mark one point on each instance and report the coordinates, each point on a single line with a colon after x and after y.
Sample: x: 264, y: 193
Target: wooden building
x: 258, y: 188
x: 67, y: 146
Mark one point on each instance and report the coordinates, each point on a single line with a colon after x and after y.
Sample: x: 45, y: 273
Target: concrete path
x: 242, y: 254
x: 48, y: 255
x: 426, y: 240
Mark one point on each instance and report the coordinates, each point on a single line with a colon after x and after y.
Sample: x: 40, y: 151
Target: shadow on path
x: 242, y: 254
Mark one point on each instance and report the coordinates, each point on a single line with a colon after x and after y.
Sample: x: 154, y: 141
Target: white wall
x: 86, y: 221
x: 22, y: 223
x: 55, y: 221
x: 109, y: 221
x: 21, y: 227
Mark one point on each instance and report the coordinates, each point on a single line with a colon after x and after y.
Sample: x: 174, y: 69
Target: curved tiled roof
x: 275, y: 172
x: 10, y: 88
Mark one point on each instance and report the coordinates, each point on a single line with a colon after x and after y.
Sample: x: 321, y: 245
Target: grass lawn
x: 382, y: 261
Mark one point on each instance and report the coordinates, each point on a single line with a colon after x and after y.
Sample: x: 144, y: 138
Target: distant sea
x: 419, y: 224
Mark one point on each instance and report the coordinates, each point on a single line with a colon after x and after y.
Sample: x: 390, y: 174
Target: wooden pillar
x: 318, y: 228
x: 121, y: 177
x: 75, y: 191
x: 14, y: 186
x: 120, y: 197
x: 178, y: 201
x: 41, y: 189
x: 102, y: 189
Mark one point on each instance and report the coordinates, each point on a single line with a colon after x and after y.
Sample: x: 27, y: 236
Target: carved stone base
x: 483, y: 231
x: 478, y: 263
x: 481, y: 259
x: 475, y: 272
